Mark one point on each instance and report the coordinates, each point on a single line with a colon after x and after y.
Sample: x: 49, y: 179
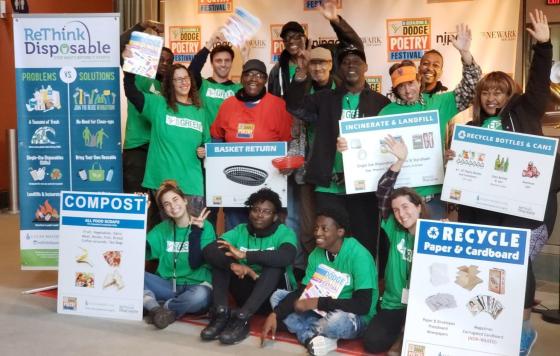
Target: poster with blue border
x: 69, y: 129
x: 236, y: 170
x: 467, y: 290
x: 500, y: 171
x: 367, y: 157
x: 101, y: 255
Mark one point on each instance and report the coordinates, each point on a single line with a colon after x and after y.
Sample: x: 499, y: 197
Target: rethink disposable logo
x: 71, y: 39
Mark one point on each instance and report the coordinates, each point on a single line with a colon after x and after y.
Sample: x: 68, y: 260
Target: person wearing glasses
x: 250, y: 261
x: 179, y: 128
x: 182, y: 279
x: 252, y: 115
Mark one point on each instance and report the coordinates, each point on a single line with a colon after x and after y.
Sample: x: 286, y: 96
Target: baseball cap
x: 291, y: 26
x: 254, y: 64
x: 351, y: 49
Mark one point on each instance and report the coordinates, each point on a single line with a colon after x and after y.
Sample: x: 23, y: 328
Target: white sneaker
x: 320, y: 345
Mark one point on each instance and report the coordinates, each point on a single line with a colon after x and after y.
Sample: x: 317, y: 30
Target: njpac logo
x: 277, y: 45
x: 184, y: 42
x: 320, y: 41
x: 502, y: 35
x: 446, y: 38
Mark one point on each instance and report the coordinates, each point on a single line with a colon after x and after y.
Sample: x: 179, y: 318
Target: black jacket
x: 279, y: 77
x: 523, y: 114
x: 324, y: 109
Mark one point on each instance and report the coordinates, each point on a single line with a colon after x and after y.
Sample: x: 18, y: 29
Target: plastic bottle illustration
x: 109, y: 176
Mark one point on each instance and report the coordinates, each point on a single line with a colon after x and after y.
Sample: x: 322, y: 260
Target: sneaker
x: 219, y: 317
x: 161, y: 317
x: 321, y: 345
x: 236, y: 330
x: 528, y: 340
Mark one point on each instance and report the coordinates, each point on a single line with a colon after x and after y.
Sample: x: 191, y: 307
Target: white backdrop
x: 494, y: 24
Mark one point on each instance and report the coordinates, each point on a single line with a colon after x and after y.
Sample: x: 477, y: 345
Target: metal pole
x: 13, y: 192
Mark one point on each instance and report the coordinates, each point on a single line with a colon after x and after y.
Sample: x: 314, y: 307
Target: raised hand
x: 463, y: 43
x: 540, y: 30
x: 328, y: 10
x: 154, y: 25
x: 396, y: 147
x: 464, y: 38
x: 199, y: 220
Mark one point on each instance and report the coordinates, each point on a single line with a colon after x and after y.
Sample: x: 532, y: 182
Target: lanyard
x: 176, y: 253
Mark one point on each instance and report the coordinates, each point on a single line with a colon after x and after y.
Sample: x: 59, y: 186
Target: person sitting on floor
x: 250, y: 261
x: 182, y: 278
x: 319, y: 322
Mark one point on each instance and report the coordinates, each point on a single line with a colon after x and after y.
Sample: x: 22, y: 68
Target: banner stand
x: 42, y: 289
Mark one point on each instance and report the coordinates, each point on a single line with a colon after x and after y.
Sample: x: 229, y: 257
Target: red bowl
x: 288, y: 162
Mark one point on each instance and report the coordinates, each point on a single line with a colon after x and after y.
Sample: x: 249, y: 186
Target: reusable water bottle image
x: 109, y: 176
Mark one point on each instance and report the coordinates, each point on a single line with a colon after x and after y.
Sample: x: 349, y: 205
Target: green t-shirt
x: 350, y: 103
x: 213, y: 95
x: 165, y: 246
x: 447, y: 108
x: 174, y: 139
x: 399, y: 261
x: 356, y: 262
x: 137, y: 131
x: 494, y: 123
x: 292, y: 70
x: 239, y: 237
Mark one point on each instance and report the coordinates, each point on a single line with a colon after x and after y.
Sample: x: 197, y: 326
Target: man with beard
x: 352, y: 99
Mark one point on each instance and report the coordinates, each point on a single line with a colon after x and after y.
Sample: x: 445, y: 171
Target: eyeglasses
x: 295, y: 37
x: 254, y: 75
x: 182, y: 80
x: 264, y: 211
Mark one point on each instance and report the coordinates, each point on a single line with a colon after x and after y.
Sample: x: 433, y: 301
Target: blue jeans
x: 335, y: 325
x: 187, y: 299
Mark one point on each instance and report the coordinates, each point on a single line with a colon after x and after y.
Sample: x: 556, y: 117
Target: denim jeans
x: 187, y: 299
x: 335, y: 325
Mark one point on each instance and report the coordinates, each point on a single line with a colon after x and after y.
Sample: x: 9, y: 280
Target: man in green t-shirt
x: 250, y: 261
x: 338, y: 263
x: 217, y: 88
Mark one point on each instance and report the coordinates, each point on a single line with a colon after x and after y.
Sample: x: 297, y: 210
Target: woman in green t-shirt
x: 178, y: 130
x: 400, y: 209
x: 182, y: 279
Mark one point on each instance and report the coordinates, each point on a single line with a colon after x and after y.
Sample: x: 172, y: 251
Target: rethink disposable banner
x: 67, y: 86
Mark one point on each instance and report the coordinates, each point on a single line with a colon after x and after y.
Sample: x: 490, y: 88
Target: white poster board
x: 467, y: 290
x: 500, y: 171
x: 236, y: 170
x: 367, y: 158
x: 102, y: 253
